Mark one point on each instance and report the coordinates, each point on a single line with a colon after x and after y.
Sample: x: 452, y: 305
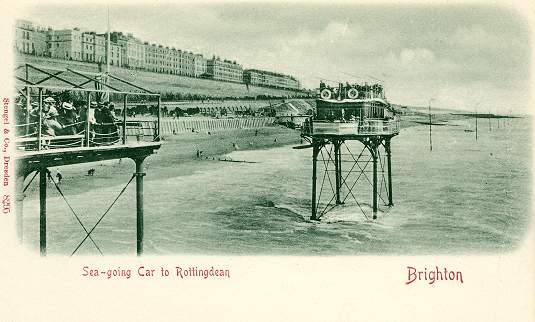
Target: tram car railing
x: 29, y: 138
x: 142, y: 130
x: 357, y: 127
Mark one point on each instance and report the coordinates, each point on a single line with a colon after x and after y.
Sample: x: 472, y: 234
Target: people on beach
x: 59, y: 176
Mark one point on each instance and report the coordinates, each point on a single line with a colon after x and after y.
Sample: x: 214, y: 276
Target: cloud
x: 477, y: 40
x: 419, y: 51
x: 334, y: 34
x: 470, y: 35
x: 411, y: 57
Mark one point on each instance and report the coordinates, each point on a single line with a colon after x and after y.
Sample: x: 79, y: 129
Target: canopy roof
x: 34, y: 76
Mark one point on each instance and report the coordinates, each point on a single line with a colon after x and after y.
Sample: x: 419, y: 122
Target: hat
x: 34, y: 104
x: 93, y: 103
x: 49, y: 100
x: 67, y: 106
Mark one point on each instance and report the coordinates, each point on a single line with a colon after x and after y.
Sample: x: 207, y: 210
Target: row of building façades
x: 129, y: 52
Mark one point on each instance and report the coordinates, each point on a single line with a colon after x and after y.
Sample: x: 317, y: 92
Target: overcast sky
x: 460, y: 56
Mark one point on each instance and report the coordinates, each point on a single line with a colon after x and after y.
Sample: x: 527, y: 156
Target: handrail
x: 98, y: 136
x: 365, y: 127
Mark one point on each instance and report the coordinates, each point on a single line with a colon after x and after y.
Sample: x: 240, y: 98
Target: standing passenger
x: 67, y: 118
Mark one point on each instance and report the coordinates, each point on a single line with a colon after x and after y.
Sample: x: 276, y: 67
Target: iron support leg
x: 19, y: 198
x: 139, y: 204
x: 389, y: 165
x: 374, y: 156
x: 42, y: 208
x: 315, y: 151
x: 125, y: 106
x: 337, y: 170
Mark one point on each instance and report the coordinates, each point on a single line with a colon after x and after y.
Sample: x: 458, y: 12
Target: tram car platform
x: 352, y: 110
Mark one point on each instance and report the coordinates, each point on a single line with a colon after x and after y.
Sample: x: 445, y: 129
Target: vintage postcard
x: 267, y: 161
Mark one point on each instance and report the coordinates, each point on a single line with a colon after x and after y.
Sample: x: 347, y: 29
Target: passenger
x: 49, y: 116
x: 20, y: 112
x: 68, y: 118
x: 82, y: 114
x: 51, y: 126
x: 91, y: 119
x: 92, y: 108
x: 108, y: 120
x: 49, y: 105
x: 34, y: 114
x: 98, y: 112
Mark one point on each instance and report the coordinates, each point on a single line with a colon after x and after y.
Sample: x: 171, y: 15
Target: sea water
x: 464, y: 196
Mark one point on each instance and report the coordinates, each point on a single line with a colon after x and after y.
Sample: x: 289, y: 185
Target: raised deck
x: 28, y: 161
x: 80, y: 128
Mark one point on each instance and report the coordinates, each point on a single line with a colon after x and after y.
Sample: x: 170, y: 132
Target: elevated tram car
x: 350, y: 112
x: 352, y: 109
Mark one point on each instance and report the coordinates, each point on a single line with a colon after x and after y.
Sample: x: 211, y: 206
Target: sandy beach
x: 176, y: 157
x: 178, y: 154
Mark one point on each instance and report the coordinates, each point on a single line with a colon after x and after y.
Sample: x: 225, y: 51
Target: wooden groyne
x: 169, y: 126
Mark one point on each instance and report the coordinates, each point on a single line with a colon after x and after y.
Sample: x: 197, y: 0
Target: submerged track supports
x: 389, y: 166
x: 315, y: 151
x: 373, y: 151
x: 329, y: 153
x: 338, y: 169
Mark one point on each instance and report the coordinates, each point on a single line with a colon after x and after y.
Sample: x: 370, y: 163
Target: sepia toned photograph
x: 267, y: 161
x: 272, y: 129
